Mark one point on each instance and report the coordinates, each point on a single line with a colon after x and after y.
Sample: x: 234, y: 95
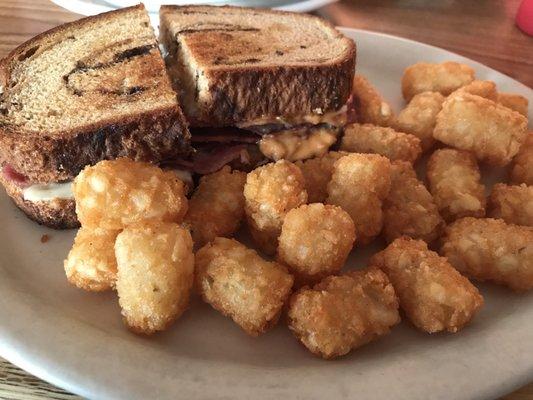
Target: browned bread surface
x: 85, y: 91
x: 57, y: 214
x: 237, y: 64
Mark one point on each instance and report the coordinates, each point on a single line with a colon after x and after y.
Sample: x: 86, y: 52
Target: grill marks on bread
x: 237, y: 34
x: 214, y: 27
x: 100, y: 73
x: 228, y: 44
x: 103, y: 67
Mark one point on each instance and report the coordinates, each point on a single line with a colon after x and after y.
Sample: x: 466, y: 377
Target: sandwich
x: 254, y: 85
x: 257, y: 85
x: 85, y: 91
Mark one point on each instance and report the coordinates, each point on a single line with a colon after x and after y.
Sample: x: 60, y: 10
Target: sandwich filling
x: 48, y: 192
x: 45, y: 192
x: 257, y: 86
x: 253, y: 143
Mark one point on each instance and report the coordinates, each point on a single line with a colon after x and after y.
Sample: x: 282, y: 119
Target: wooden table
x: 482, y: 30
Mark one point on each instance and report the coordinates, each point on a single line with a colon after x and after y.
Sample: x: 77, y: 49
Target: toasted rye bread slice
x: 237, y: 64
x: 85, y: 91
x: 57, y: 213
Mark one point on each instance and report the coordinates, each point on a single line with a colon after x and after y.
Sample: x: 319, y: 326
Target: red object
x: 11, y: 175
x: 524, y: 17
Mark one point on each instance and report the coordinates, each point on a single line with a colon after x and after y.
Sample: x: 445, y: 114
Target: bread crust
x: 282, y: 90
x: 42, y: 157
x: 56, y: 214
x: 157, y: 135
x: 296, y: 90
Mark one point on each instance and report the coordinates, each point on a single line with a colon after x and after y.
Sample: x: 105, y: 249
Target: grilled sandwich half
x: 85, y: 91
x: 257, y: 84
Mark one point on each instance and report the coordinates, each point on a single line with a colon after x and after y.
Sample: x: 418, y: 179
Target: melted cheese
x: 291, y: 146
x: 334, y: 118
x: 48, y: 192
x: 53, y: 191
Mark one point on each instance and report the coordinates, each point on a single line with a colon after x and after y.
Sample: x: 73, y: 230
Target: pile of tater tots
x: 141, y: 236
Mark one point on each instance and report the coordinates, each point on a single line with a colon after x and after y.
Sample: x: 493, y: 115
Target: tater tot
x: 118, y: 193
x: 359, y: 184
x: 270, y: 192
x: 522, y: 166
x: 443, y: 78
x: 490, y: 250
x: 217, y: 206
x: 155, y: 274
x: 370, y: 106
x: 409, y: 209
x: 317, y: 174
x: 433, y: 295
x: 454, y: 182
x: 91, y: 263
x: 236, y: 281
x: 315, y: 241
x: 513, y: 204
x: 368, y: 138
x: 342, y: 313
x: 486, y: 89
x: 420, y: 116
x: 491, y: 131
x: 514, y: 102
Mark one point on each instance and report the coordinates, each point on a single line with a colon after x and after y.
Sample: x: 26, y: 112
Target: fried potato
x: 490, y: 250
x: 118, y: 193
x: 454, y: 182
x: 513, y: 204
x: 155, y: 274
x: 317, y: 174
x: 236, y: 281
x: 486, y: 89
x: 491, y: 131
x: 409, y: 209
x: 359, y: 184
x: 420, y: 116
x: 443, y: 78
x: 370, y: 106
x: 434, y: 296
x: 270, y: 192
x: 514, y: 102
x: 368, y: 138
x: 522, y: 166
x: 315, y: 241
x: 91, y: 263
x: 342, y: 313
x: 217, y: 206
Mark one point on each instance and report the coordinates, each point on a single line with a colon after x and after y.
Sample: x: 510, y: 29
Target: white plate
x: 76, y: 340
